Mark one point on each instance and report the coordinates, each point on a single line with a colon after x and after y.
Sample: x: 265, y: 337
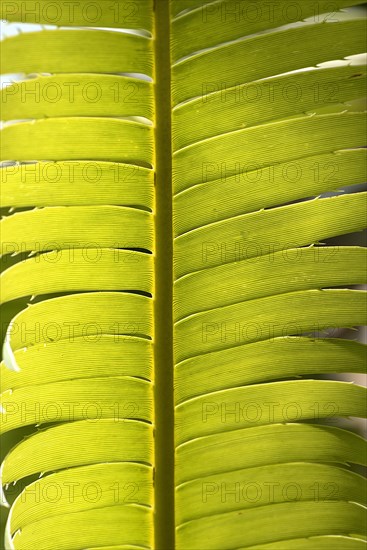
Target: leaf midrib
x: 164, y: 518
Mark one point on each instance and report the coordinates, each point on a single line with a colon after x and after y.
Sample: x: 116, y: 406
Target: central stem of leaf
x: 164, y: 404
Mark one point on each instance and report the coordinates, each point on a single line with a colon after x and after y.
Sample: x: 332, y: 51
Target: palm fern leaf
x: 171, y: 171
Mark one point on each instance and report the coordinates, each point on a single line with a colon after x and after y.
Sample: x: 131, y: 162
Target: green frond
x: 175, y: 317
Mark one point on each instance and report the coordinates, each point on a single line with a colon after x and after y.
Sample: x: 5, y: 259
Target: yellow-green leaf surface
x: 266, y: 231
x: 77, y: 95
x: 221, y: 109
x: 108, y: 13
x: 265, y: 404
x: 253, y: 187
x: 269, y: 444
x: 109, y: 355
x: 82, y: 488
x: 226, y: 20
x: 267, y: 144
x: 68, y: 51
x: 178, y: 6
x: 275, y: 358
x: 254, y: 57
x: 179, y: 333
x: 293, y: 519
x: 73, y: 270
x: 259, y: 131
x: 279, y: 315
x: 92, y: 399
x: 119, y: 547
x: 79, y: 139
x: 339, y: 542
x: 58, y: 116
x: 76, y: 183
x: 253, y: 487
x: 287, y: 270
x: 62, y: 227
x: 80, y: 443
x: 134, y: 523
x: 89, y: 315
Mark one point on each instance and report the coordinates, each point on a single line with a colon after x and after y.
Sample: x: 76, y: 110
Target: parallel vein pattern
x: 260, y: 461
x: 78, y: 256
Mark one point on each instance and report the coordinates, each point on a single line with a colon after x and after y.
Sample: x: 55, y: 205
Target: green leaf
x: 70, y: 489
x: 81, y: 222
x: 177, y: 357
x: 265, y: 318
x: 229, y: 19
x: 230, y: 62
x: 265, y: 145
x: 134, y: 528
x: 272, y: 359
x: 80, y: 443
x: 221, y: 109
x: 254, y: 487
x: 261, y: 404
x: 64, y: 318
x: 269, y: 444
x: 79, y: 139
x: 73, y: 270
x: 65, y: 51
x: 315, y: 543
x: 54, y: 184
x: 287, y: 270
x: 266, y: 186
x: 109, y: 355
x: 109, y: 13
x: 49, y: 402
x: 77, y: 95
x: 313, y: 518
x: 266, y: 231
